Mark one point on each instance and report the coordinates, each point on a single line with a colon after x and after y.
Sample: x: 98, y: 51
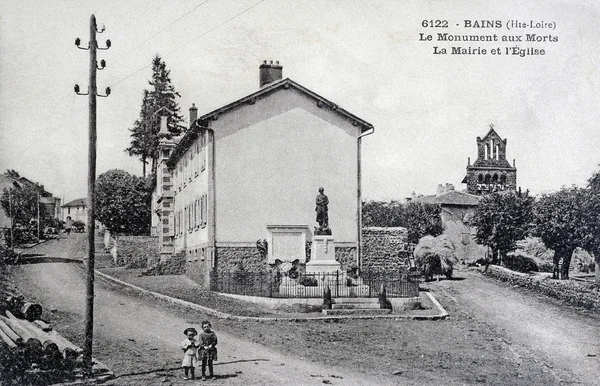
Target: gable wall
x: 271, y: 158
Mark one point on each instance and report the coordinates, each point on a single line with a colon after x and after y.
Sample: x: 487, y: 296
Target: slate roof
x: 451, y: 198
x: 286, y: 83
x: 77, y: 202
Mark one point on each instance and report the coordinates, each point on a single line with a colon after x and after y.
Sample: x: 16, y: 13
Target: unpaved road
x: 560, y: 338
x: 496, y: 335
x: 138, y: 338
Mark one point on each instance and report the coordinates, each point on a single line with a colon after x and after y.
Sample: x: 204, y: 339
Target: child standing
x: 208, y: 349
x: 190, y: 349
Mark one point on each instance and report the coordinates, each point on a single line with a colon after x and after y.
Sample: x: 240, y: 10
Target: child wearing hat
x: 208, y: 349
x: 190, y: 349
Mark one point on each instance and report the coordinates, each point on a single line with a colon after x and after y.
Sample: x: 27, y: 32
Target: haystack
x: 435, y: 256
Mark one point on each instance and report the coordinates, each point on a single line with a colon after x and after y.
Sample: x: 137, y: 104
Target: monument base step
x: 357, y: 311
x: 363, y: 306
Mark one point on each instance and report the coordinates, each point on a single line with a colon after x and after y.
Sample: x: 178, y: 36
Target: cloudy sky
x: 363, y: 55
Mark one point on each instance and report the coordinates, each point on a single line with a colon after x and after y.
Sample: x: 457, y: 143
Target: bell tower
x: 490, y: 172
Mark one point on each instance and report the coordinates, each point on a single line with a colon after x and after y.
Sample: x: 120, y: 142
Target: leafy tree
x: 144, y: 133
x: 123, y: 202
x: 421, y: 220
x: 592, y: 217
x: 563, y: 225
x: 502, y: 219
x: 382, y: 213
x: 23, y: 205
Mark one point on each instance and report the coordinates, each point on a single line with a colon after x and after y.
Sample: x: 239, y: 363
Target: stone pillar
x: 322, y: 256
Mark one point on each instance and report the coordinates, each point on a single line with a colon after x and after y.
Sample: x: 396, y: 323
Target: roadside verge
x: 440, y: 311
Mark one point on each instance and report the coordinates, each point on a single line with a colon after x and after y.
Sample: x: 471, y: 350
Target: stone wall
x: 174, y: 265
x: 381, y: 247
x: 346, y: 256
x: 229, y: 259
x: 134, y: 251
x: 573, y: 293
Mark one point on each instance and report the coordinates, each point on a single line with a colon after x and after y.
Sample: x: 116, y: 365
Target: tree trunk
x: 144, y: 167
x: 564, y: 272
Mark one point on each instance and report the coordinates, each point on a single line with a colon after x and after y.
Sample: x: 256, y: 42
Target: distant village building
x: 76, y: 210
x: 249, y: 172
x: 490, y: 172
x: 14, y: 181
x: 457, y: 209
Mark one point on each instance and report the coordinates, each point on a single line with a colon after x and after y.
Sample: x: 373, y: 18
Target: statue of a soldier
x: 322, y: 217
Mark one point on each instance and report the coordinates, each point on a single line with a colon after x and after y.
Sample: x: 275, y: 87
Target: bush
x: 521, y: 262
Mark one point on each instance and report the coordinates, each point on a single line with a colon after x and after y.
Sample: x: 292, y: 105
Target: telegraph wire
x: 191, y: 41
x: 161, y: 31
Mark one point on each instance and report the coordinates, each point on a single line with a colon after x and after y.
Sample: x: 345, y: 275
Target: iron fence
x: 273, y: 284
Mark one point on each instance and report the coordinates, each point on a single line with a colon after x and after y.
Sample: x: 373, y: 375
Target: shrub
x: 521, y: 262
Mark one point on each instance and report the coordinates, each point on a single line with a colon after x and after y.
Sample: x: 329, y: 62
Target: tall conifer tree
x: 144, y: 133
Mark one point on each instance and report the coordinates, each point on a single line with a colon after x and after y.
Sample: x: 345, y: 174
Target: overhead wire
x: 191, y: 41
x: 159, y: 32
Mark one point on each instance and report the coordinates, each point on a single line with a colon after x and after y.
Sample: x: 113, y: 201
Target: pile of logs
x: 32, y: 340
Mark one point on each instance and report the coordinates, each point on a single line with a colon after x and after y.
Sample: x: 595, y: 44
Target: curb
x: 223, y: 315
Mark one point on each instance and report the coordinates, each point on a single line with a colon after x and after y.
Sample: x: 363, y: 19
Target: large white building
x: 254, y: 167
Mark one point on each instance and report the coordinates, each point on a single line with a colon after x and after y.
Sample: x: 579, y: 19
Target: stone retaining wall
x: 229, y: 259
x: 380, y: 247
x: 133, y: 251
x: 574, y: 293
x: 174, y: 265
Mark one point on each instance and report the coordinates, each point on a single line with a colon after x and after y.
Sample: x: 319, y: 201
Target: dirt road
x: 138, y: 338
x: 496, y: 334
x: 562, y: 339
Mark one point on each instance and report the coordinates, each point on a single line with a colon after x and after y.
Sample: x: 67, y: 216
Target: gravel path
x: 564, y: 340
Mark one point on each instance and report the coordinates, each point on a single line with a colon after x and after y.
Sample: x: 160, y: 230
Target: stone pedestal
x: 322, y: 256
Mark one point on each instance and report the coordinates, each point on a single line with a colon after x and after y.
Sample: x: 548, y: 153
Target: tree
x: 591, y: 212
x: 144, y: 133
x: 502, y: 219
x: 563, y: 225
x: 123, y: 202
x: 382, y: 213
x: 422, y: 219
x: 23, y: 204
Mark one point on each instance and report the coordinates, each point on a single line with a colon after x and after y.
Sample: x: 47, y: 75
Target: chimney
x: 193, y: 114
x: 270, y: 73
x: 440, y: 189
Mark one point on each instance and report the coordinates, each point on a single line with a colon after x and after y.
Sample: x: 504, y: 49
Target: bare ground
x: 495, y: 335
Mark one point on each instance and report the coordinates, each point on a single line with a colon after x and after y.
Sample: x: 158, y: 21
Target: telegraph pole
x: 38, y: 215
x: 12, y: 242
x: 91, y: 215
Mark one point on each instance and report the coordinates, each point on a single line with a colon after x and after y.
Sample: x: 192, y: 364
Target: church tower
x: 491, y: 172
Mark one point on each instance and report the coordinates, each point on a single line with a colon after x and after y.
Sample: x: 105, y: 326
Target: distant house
x: 457, y: 210
x: 51, y: 203
x: 251, y: 170
x: 76, y: 209
x: 7, y: 182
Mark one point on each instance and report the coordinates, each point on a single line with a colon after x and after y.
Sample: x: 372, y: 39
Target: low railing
x: 273, y: 284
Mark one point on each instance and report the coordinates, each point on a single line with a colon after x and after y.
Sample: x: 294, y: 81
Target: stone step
x: 356, y: 300
x: 365, y: 306
x: 357, y: 311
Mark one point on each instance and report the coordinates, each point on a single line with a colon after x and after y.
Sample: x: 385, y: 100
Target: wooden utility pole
x: 38, y: 214
x: 12, y: 240
x: 91, y: 198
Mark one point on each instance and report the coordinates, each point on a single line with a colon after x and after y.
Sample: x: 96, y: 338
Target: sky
x: 365, y: 56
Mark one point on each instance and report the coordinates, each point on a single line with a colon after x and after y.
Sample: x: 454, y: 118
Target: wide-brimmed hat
x: 192, y: 329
